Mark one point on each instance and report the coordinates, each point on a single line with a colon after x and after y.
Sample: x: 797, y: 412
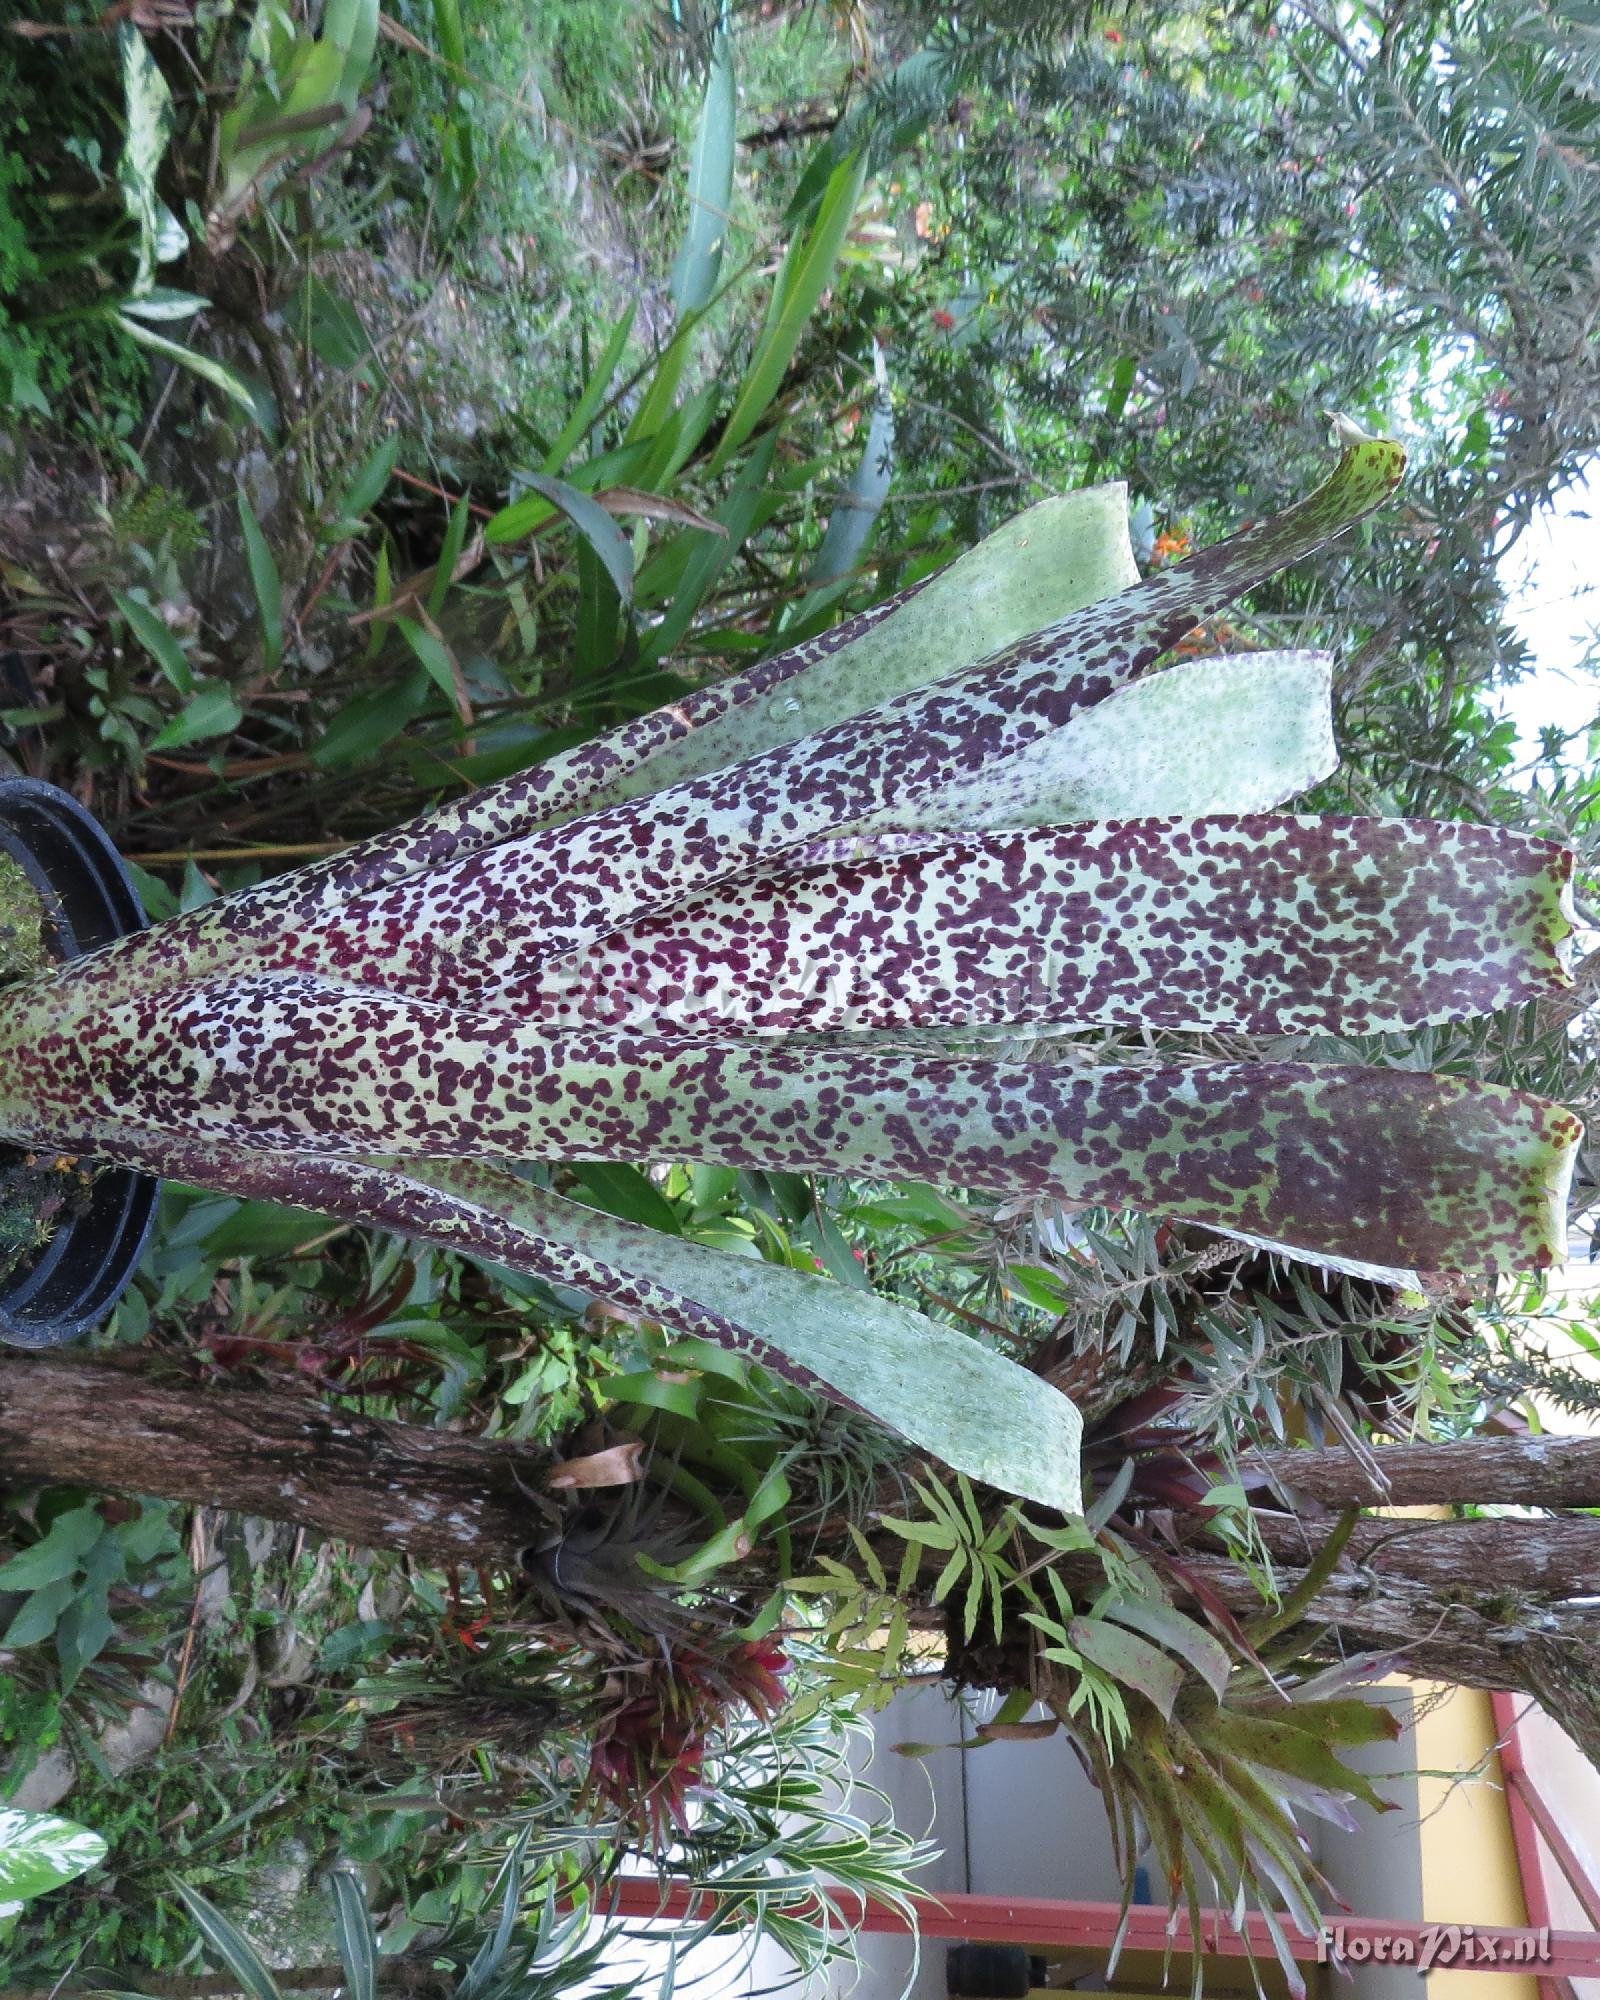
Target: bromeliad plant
x: 774, y: 924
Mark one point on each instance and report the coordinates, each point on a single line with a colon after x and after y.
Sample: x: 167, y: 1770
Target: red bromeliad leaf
x: 1269, y: 923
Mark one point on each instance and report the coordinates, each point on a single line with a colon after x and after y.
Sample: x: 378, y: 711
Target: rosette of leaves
x: 1209, y: 1753
x: 974, y: 809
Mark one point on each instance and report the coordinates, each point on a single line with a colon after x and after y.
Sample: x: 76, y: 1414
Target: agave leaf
x: 1269, y: 923
x: 966, y: 1404
x: 1315, y: 1799
x: 492, y: 1952
x: 1152, y: 1773
x: 1272, y: 1849
x: 856, y: 509
x: 1434, y: 1173
x: 1294, y: 1978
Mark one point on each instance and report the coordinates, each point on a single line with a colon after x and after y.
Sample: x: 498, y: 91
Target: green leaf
x: 626, y: 1192
x: 806, y: 273
x: 587, y: 407
x: 590, y: 519
x: 212, y: 712
x: 1180, y: 1635
x: 254, y: 401
x: 263, y: 1229
x: 60, y: 1552
x: 694, y: 275
x: 148, y: 112
x: 653, y: 1392
x: 265, y: 582
x: 363, y: 726
x: 238, y: 1955
x: 964, y: 1402
x: 435, y: 656
x: 38, y: 1852
x: 352, y: 27
x: 1271, y: 1745
x: 856, y: 510
x: 1129, y: 1659
x: 455, y: 536
x: 492, y: 1953
x: 1348, y: 1724
x: 83, y: 1631
x: 158, y: 640
x: 161, y: 302
x: 368, y: 482
x: 354, y: 1934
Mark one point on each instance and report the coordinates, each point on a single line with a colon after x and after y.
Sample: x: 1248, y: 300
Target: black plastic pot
x: 89, y: 899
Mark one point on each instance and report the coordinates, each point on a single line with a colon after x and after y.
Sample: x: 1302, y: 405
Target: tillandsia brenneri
x: 771, y: 924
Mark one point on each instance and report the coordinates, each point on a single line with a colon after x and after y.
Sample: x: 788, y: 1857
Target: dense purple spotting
x: 519, y: 903
x: 249, y: 920
x: 1265, y: 922
x: 472, y: 1215
x: 1381, y: 1166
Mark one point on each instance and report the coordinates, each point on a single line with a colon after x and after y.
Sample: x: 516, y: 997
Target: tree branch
x: 431, y: 1494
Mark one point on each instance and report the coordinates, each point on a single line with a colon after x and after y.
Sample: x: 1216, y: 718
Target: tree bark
x: 1511, y: 1471
x: 1479, y: 1603
x: 441, y: 1497
x: 1542, y: 1556
x: 1544, y: 1648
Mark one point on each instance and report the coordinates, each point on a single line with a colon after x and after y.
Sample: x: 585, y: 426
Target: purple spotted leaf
x: 531, y: 900
x: 1386, y: 1167
x: 1236, y: 733
x: 1269, y: 923
x: 1054, y: 558
x: 508, y: 908
x: 972, y: 1407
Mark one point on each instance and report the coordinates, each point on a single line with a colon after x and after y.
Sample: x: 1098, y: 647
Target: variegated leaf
x: 1270, y: 924
x: 948, y: 1394
x: 1390, y: 1167
x: 527, y: 900
x: 1054, y: 558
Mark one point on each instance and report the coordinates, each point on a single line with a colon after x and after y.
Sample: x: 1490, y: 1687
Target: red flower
x: 943, y: 320
x: 646, y: 1754
x: 1113, y: 35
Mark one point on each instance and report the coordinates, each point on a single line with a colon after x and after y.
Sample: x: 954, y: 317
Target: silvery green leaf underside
x: 947, y: 1394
